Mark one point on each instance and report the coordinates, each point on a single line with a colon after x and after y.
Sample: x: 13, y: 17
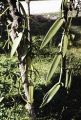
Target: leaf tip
x: 1, y: 99
x: 41, y: 47
x: 42, y: 105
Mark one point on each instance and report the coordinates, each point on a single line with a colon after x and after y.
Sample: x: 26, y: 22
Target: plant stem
x: 14, y: 29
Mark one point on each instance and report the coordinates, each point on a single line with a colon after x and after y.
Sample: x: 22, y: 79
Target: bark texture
x: 16, y: 23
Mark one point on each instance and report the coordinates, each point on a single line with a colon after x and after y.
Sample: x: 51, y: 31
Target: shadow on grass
x: 76, y: 21
x: 62, y: 106
x: 75, y: 29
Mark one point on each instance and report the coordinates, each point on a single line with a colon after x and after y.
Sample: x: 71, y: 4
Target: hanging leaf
x: 52, y: 31
x: 65, y: 45
x: 50, y: 94
x: 54, y: 65
x: 25, y: 52
x: 24, y: 13
x: 23, y: 10
x: 16, y: 43
x: 24, y: 55
x: 31, y: 91
x: 70, y: 80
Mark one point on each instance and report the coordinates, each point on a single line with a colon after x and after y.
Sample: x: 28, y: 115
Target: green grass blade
x: 50, y: 94
x: 1, y: 99
x: 54, y: 65
x: 67, y: 79
x: 52, y: 31
x: 16, y: 43
x: 65, y: 45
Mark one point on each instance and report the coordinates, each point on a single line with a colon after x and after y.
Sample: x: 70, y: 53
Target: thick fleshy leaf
x: 54, y: 65
x: 65, y: 45
x: 16, y: 43
x: 50, y: 94
x: 52, y: 31
x: 31, y: 90
x: 70, y: 81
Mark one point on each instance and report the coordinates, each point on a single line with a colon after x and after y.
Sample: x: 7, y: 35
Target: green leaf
x: 69, y: 23
x: 50, y: 94
x: 54, y: 65
x: 67, y: 79
x: 70, y: 80
x: 22, y: 9
x: 25, y: 52
x: 31, y: 91
x: 65, y: 2
x: 1, y: 99
x: 16, y: 43
x: 65, y: 45
x: 52, y: 31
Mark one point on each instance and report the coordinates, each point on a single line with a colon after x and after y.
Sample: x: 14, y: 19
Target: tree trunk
x: 23, y: 64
